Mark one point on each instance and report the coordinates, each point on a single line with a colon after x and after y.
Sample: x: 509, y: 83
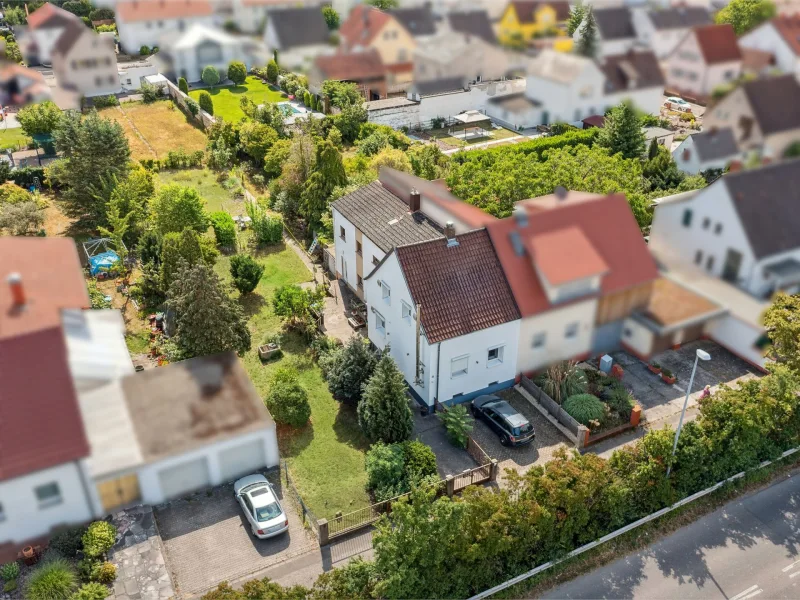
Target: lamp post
x: 700, y: 355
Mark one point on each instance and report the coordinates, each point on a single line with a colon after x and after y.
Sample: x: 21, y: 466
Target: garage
x: 185, y: 477
x: 241, y: 460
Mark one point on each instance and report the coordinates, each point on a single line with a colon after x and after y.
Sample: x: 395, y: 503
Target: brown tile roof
x: 49, y: 15
x: 473, y: 22
x: 788, y: 26
x: 672, y: 304
x: 632, y: 70
x: 352, y: 66
x: 565, y: 255
x: 363, y: 24
x: 525, y: 9
x: 606, y: 221
x: 774, y: 102
x: 718, y: 43
x: 71, y: 34
x: 131, y: 11
x: 460, y: 288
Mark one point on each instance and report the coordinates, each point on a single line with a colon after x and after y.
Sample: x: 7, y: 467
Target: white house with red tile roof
x: 781, y: 38
x: 706, y: 58
x: 153, y: 22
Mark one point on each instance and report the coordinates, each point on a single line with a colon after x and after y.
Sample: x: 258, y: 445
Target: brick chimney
x: 414, y: 200
x: 17, y: 290
x: 735, y: 166
x: 450, y: 234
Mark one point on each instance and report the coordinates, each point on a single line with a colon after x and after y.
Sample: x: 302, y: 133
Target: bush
x: 99, y: 538
x: 420, y: 461
x: 457, y: 424
x: 53, y: 580
x: 621, y: 401
x: 246, y: 273
x: 563, y: 380
x: 323, y: 345
x: 144, y: 51
x: 10, y: 586
x: 210, y: 76
x: 105, y: 101
x: 91, y: 591
x: 69, y: 541
x: 224, y: 228
x: 9, y: 571
x: 25, y: 177
x: 206, y: 103
x: 150, y: 93
x: 286, y: 400
x: 385, y: 465
x: 192, y: 107
x: 237, y: 72
x: 267, y: 228
x: 272, y: 71
x: 104, y: 572
x: 584, y: 408
x: 85, y: 568
x: 353, y: 369
x: 183, y: 85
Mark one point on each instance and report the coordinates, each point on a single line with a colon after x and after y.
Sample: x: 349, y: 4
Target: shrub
x: 621, y: 401
x: 99, y: 538
x: 85, y: 568
x: 192, y: 107
x: 91, y: 591
x: 53, y: 580
x: 667, y: 373
x: 272, y: 71
x: 323, y: 345
x: 563, y: 380
x: 206, y: 103
x: 267, y: 228
x: 25, y: 177
x: 224, y: 228
x: 420, y: 461
x: 246, y: 273
x: 353, y: 369
x: 584, y: 408
x: 150, y: 92
x: 385, y: 465
x: 210, y: 76
x: 10, y: 586
x: 9, y: 571
x: 183, y: 85
x: 286, y: 400
x: 144, y: 51
x: 457, y: 424
x: 104, y: 101
x: 69, y: 541
x: 104, y: 572
x: 237, y: 72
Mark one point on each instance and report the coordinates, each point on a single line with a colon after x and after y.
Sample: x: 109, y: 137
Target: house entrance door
x: 733, y: 262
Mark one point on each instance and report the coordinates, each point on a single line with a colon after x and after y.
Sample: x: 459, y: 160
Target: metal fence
x: 288, y: 488
x: 551, y: 406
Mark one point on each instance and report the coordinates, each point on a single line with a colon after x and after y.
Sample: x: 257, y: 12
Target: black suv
x: 500, y: 416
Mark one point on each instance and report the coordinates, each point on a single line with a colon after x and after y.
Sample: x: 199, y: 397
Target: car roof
x: 512, y: 415
x: 261, y: 499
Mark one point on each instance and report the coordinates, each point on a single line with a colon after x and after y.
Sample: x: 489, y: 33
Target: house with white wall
x: 45, y: 26
x: 781, y: 38
x: 153, y: 22
x: 250, y: 16
x: 615, y: 30
x: 663, y: 28
x: 299, y: 34
x: 710, y: 149
x: 444, y: 311
x: 707, y: 57
x: 86, y: 62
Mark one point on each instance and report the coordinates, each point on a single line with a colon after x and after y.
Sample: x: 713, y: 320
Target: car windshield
x: 270, y: 511
x: 525, y: 429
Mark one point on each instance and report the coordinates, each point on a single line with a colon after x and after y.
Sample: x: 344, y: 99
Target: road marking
x: 793, y: 575
x: 748, y: 593
x: 791, y: 566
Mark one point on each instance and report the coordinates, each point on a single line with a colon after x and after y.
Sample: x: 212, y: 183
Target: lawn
x: 453, y: 139
x: 13, y: 138
x: 211, y: 190
x: 226, y: 98
x: 326, y: 457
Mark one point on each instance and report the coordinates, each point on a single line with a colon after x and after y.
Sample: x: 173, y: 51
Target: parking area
x: 207, y: 539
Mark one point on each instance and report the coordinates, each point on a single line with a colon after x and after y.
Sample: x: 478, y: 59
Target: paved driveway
x: 207, y: 539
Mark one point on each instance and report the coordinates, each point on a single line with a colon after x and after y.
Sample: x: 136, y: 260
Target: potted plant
x: 668, y: 377
x: 654, y: 367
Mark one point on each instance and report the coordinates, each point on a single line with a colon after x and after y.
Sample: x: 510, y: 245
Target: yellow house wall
x: 510, y: 25
x: 394, y: 43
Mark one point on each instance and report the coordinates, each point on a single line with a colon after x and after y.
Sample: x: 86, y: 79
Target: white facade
x: 738, y: 336
x: 345, y: 244
x: 89, y: 65
x: 135, y: 34
x: 688, y: 159
x: 204, y: 46
x: 132, y: 75
x: 767, y: 38
x: 44, y: 39
x: 661, y: 41
x: 687, y: 71
x: 476, y: 98
x: 27, y: 514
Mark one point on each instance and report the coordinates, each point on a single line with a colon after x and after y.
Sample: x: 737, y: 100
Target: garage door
x: 185, y: 477
x: 241, y: 460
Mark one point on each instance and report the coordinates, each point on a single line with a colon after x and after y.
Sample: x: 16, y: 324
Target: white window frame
x: 495, y: 362
x: 386, y: 293
x: 574, y: 327
x: 405, y: 311
x: 457, y: 360
x: 539, y: 340
x: 379, y: 318
x: 48, y: 502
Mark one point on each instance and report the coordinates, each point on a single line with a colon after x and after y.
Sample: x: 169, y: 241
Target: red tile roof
x: 52, y: 278
x: 352, y: 66
x: 363, y: 24
x: 718, y: 43
x: 39, y: 412
x: 130, y: 11
x: 788, y: 26
x: 565, y: 255
x: 460, y: 288
x: 48, y: 12
x: 608, y: 225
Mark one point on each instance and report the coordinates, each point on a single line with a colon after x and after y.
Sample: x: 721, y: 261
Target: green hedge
x: 224, y: 228
x: 175, y: 160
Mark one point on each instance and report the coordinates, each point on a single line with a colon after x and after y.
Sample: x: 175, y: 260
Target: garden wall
x: 572, y: 426
x: 182, y: 100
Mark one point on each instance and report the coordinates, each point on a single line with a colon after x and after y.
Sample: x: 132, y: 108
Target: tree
x: 177, y: 207
x: 391, y: 157
x: 457, y: 424
x: 178, y: 249
x: 21, y: 218
x: 80, y: 8
x: 331, y: 17
x: 207, y: 320
x: 42, y: 118
x: 246, y: 273
x: 149, y: 247
x: 328, y: 173
x: 622, y: 132
x: 131, y: 197
x: 576, y: 15
x: 341, y: 93
x: 96, y: 151
x: 660, y: 170
x: 275, y: 157
x: 745, y: 15
x: 183, y: 85
x: 349, y: 121
x: 102, y: 14
x: 15, y: 15
x: 652, y: 151
x: 237, y: 72
x: 353, y: 369
x: 383, y: 413
x: 119, y: 224
x: 210, y: 76
x: 205, y: 102
x: 587, y: 43
x: 257, y: 139
x: 295, y: 304
x: 272, y: 71
x: 428, y: 161
x: 286, y: 400
x: 782, y: 321
x: 383, y: 4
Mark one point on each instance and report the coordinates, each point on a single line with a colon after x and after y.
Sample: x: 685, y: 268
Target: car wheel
x: 504, y: 440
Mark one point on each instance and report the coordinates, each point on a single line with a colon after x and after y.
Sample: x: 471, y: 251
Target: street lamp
x: 701, y: 355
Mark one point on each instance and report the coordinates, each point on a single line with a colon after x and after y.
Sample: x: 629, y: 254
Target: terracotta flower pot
x: 652, y: 369
x: 668, y: 380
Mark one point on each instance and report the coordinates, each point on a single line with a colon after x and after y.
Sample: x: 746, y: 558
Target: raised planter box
x: 652, y: 369
x: 356, y: 322
x: 668, y: 380
x: 268, y: 351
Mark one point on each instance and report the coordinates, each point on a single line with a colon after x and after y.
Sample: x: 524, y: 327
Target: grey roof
x: 388, y: 103
x: 774, y: 102
x: 767, y: 201
x: 384, y: 218
x: 655, y: 132
x: 419, y: 20
x: 614, y: 23
x: 680, y: 17
x: 71, y: 34
x: 473, y: 22
x: 514, y: 103
x: 788, y: 267
x: 301, y: 26
x: 715, y: 144
x: 439, y: 86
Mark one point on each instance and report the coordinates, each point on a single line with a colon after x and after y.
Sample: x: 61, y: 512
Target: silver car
x: 260, y: 505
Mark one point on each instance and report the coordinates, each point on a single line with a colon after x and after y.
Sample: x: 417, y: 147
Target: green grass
x: 211, y: 190
x: 454, y: 140
x: 13, y: 138
x: 226, y: 99
x: 326, y: 457
x: 138, y: 343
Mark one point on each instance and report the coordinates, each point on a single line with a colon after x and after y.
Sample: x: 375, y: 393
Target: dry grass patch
x: 139, y: 149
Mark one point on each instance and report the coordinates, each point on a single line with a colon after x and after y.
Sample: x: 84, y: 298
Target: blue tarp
x: 103, y: 262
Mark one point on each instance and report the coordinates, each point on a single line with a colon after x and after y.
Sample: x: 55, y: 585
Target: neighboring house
x: 153, y: 22
x: 20, y: 85
x: 250, y: 16
x: 527, y: 19
x: 367, y: 27
x: 446, y: 314
x: 634, y: 76
x: 706, y: 58
x: 474, y: 23
x: 663, y: 137
x: 450, y: 55
x: 781, y: 38
x: 419, y: 21
x: 615, y: 31
x: 662, y: 29
x: 365, y: 69
x: 299, y: 35
x: 86, y: 62
x: 710, y: 149
x: 764, y: 115
x: 578, y: 267
x: 135, y: 70
x: 45, y: 26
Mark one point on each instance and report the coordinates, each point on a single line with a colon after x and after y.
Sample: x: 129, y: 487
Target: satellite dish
x: 561, y: 192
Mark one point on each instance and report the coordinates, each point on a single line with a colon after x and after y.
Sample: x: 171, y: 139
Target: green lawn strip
x: 13, y: 138
x: 206, y: 184
x: 455, y: 138
x: 226, y: 98
x: 138, y: 343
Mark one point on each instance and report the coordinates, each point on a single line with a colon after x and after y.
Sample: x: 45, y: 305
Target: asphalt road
x: 750, y: 548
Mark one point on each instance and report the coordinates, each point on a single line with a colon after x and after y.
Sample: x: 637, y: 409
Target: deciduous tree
x: 41, y: 118
x: 287, y: 400
x: 177, y: 207
x: 745, y: 15
x: 256, y: 140
x: 782, y: 320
